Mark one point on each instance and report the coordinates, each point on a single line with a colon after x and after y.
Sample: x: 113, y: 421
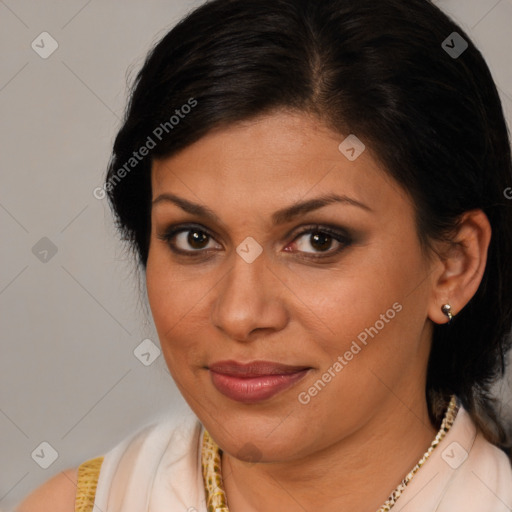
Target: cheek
x: 371, y: 312
x: 166, y: 295
x: 372, y: 316
x: 352, y: 296
x: 177, y: 298
x: 171, y: 291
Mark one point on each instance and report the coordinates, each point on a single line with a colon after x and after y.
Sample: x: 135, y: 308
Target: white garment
x: 158, y: 469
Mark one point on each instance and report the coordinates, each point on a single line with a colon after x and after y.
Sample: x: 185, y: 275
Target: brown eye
x: 316, y: 241
x: 197, y: 239
x: 187, y: 240
x: 321, y: 241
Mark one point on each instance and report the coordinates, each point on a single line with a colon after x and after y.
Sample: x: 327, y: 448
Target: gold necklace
x: 216, y: 500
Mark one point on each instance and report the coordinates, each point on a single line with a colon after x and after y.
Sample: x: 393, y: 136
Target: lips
x: 254, y: 381
x: 254, y: 369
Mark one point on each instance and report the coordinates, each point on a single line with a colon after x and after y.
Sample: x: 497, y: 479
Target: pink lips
x: 255, y: 381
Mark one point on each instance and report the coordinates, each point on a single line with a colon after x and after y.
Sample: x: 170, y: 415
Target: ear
x: 461, y: 266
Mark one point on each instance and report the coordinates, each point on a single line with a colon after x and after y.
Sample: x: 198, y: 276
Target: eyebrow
x: 279, y: 217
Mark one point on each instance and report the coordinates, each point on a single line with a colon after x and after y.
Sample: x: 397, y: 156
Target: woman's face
x: 336, y: 290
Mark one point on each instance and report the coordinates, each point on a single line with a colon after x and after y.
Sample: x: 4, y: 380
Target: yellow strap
x: 88, y: 474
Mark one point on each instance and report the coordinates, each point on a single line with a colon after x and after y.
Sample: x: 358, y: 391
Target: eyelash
x: 342, y: 237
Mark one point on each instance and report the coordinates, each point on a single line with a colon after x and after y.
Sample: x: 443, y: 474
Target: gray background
x: 72, y: 320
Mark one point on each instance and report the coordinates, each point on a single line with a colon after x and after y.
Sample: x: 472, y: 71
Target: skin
x: 362, y: 433
x: 57, y: 494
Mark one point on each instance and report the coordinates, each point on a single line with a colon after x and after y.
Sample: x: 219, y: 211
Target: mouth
x: 255, y: 381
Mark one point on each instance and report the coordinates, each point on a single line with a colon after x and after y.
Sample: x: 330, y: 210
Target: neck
x: 357, y: 473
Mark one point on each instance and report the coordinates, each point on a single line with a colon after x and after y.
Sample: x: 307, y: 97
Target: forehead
x: 280, y: 157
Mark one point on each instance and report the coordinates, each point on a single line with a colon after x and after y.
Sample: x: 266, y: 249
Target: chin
x: 252, y: 438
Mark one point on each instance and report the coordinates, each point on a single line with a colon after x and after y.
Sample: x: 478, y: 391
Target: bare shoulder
x: 55, y: 495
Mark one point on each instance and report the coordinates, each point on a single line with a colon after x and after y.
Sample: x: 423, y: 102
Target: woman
x: 316, y: 192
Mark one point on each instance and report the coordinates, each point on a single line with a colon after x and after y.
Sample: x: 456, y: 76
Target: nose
x: 250, y: 300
